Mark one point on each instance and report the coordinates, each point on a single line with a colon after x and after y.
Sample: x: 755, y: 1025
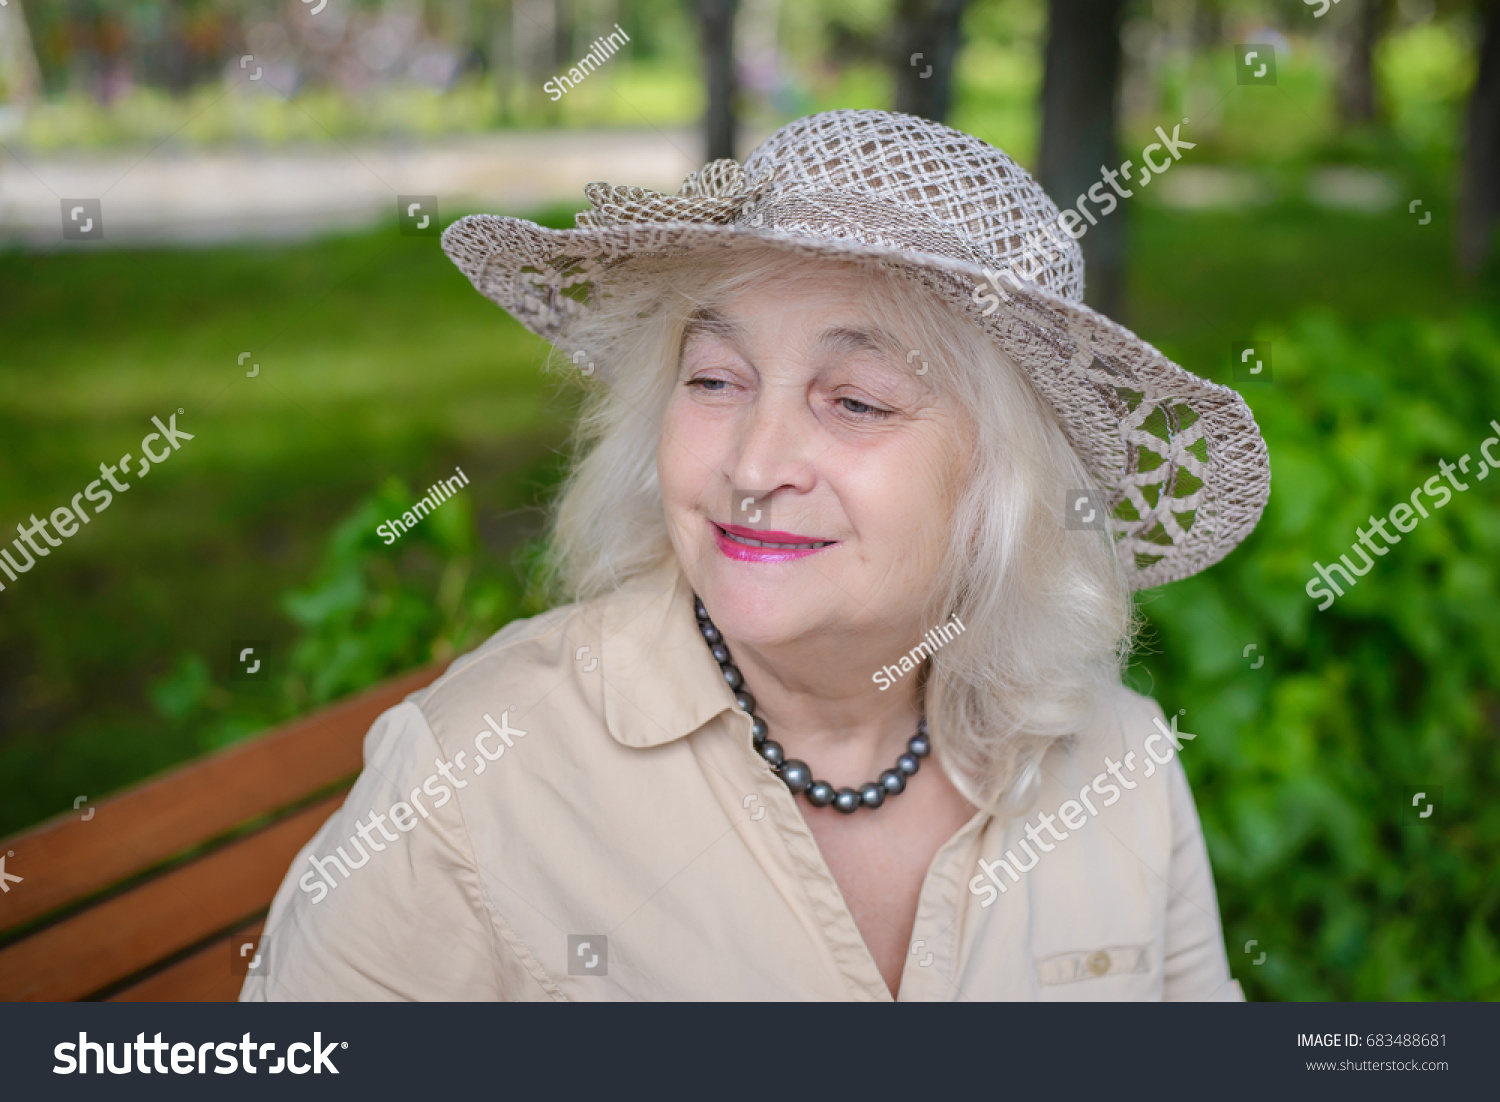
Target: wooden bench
x: 159, y: 894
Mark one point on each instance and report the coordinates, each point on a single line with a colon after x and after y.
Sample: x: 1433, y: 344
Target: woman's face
x: 797, y: 418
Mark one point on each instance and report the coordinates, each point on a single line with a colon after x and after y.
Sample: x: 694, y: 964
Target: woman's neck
x: 823, y: 707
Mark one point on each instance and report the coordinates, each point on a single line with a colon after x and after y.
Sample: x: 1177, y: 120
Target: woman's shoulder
x: 1127, y: 744
x: 546, y: 671
x: 529, y: 666
x: 534, y: 638
x: 1124, y: 720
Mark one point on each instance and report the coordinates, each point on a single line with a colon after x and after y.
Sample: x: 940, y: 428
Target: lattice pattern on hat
x: 1180, y: 459
x: 947, y: 175
x: 1185, y: 467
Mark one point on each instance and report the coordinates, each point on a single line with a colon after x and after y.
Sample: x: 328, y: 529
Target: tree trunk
x: 564, y: 49
x: 20, y: 75
x: 1357, y: 95
x: 534, y: 42
x: 174, y: 71
x: 1080, y: 91
x: 1479, y: 203
x: 927, y: 41
x: 720, y: 122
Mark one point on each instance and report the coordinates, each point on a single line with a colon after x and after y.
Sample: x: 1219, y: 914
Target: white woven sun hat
x: 1179, y: 459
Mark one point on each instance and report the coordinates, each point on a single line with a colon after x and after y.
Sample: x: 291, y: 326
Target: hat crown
x: 992, y: 206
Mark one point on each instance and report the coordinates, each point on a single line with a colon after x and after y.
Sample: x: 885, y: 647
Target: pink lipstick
x: 765, y: 544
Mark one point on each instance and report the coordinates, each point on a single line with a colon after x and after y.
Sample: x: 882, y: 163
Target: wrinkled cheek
x: 931, y: 517
x: 683, y: 468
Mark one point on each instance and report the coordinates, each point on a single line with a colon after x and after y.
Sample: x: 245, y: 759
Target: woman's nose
x: 778, y: 443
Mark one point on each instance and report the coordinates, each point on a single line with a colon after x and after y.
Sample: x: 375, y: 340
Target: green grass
x: 1198, y: 282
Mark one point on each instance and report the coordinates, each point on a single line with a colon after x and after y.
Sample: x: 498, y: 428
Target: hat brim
x: 1180, y: 460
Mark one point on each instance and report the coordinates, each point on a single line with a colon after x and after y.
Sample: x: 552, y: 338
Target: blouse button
x: 1098, y: 962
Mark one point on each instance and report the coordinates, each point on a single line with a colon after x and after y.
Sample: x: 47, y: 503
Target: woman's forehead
x: 850, y: 332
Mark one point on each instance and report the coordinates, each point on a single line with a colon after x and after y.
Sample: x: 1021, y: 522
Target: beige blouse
x: 574, y: 811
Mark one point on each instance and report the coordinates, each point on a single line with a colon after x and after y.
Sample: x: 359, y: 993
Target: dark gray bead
x: 893, y: 782
x: 871, y: 795
x: 720, y: 653
x: 759, y: 732
x: 698, y: 609
x: 732, y: 675
x: 820, y: 793
x: 745, y: 701
x: 908, y: 764
x: 847, y: 801
x: 772, y: 752
x: 710, y: 632
x: 796, y: 774
x: 920, y: 745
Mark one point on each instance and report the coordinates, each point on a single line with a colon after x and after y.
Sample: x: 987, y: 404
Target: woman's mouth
x: 765, y: 545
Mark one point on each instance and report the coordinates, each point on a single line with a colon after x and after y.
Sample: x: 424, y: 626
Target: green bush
x: 372, y: 611
x: 1305, y: 768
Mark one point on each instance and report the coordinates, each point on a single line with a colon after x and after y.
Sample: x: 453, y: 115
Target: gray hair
x: 1048, y: 611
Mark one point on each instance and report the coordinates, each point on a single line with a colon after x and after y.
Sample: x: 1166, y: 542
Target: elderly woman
x: 856, y: 514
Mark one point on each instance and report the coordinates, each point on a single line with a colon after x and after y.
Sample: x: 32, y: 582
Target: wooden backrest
x: 156, y: 895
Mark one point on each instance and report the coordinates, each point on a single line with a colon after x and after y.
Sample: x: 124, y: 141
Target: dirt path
x: 172, y: 196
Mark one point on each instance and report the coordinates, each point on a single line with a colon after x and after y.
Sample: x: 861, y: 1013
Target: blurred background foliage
x: 1313, y: 744
x: 1288, y: 224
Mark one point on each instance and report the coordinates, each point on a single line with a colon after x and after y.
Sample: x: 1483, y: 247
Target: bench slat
x: 67, y: 859
x: 92, y: 949
x: 202, y: 977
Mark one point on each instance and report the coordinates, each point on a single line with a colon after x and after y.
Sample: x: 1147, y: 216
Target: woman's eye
x: 714, y: 385
x: 863, y: 409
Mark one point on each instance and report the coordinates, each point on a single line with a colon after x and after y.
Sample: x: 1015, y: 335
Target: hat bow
x: 716, y: 193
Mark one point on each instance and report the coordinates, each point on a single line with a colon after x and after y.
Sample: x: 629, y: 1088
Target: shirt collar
x: 660, y: 681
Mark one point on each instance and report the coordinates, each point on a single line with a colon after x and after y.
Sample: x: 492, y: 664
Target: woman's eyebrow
x: 711, y: 322
x: 848, y: 339
x: 842, y: 338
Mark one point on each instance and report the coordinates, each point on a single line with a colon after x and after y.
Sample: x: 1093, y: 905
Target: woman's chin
x: 761, y: 611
